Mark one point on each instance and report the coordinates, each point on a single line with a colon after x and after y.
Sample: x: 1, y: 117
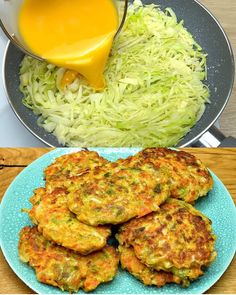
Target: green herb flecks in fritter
x: 69, y: 167
x: 189, y: 177
x: 117, y: 193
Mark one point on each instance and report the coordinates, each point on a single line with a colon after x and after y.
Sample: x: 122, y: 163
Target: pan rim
x: 232, y: 82
x: 181, y: 145
x: 10, y: 101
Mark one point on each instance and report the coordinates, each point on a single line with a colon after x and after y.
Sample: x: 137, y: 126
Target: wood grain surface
x: 225, y: 12
x: 221, y: 161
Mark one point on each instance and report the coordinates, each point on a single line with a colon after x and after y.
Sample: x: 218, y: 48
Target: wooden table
x: 12, y: 162
x: 225, y: 12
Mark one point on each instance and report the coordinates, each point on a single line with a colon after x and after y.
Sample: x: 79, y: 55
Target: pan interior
x: 205, y: 30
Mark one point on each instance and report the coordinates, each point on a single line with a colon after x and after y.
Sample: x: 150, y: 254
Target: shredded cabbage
x: 154, y: 93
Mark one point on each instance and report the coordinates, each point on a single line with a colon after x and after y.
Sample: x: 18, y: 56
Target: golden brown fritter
x: 189, y: 178
x: 176, y: 239
x: 58, y: 224
x: 70, y: 167
x: 146, y: 275
x: 74, y: 164
x: 115, y: 194
x: 63, y: 268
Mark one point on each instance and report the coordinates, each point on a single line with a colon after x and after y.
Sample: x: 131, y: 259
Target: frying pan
x: 205, y: 29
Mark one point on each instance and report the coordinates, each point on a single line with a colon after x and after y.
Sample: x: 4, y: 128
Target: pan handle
x: 215, y: 138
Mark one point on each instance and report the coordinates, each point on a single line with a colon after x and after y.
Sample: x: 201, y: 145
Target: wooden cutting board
x: 12, y: 161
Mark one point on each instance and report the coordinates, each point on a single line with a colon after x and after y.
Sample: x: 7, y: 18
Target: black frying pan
x: 206, y: 31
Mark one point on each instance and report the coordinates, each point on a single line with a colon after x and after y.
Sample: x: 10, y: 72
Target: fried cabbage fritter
x: 146, y: 275
x: 69, y: 168
x: 115, y: 194
x: 189, y: 178
x: 58, y: 224
x: 63, y: 268
x: 176, y: 239
x: 72, y: 165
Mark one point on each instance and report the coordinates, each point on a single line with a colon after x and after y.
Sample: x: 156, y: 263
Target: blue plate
x: 218, y: 206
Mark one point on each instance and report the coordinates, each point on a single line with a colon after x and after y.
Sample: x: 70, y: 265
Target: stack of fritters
x: 178, y: 240
x: 65, y: 267
x: 58, y: 224
x: 60, y: 267
x: 162, y: 239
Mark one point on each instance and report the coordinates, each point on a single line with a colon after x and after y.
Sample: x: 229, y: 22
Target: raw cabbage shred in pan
x: 154, y: 94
